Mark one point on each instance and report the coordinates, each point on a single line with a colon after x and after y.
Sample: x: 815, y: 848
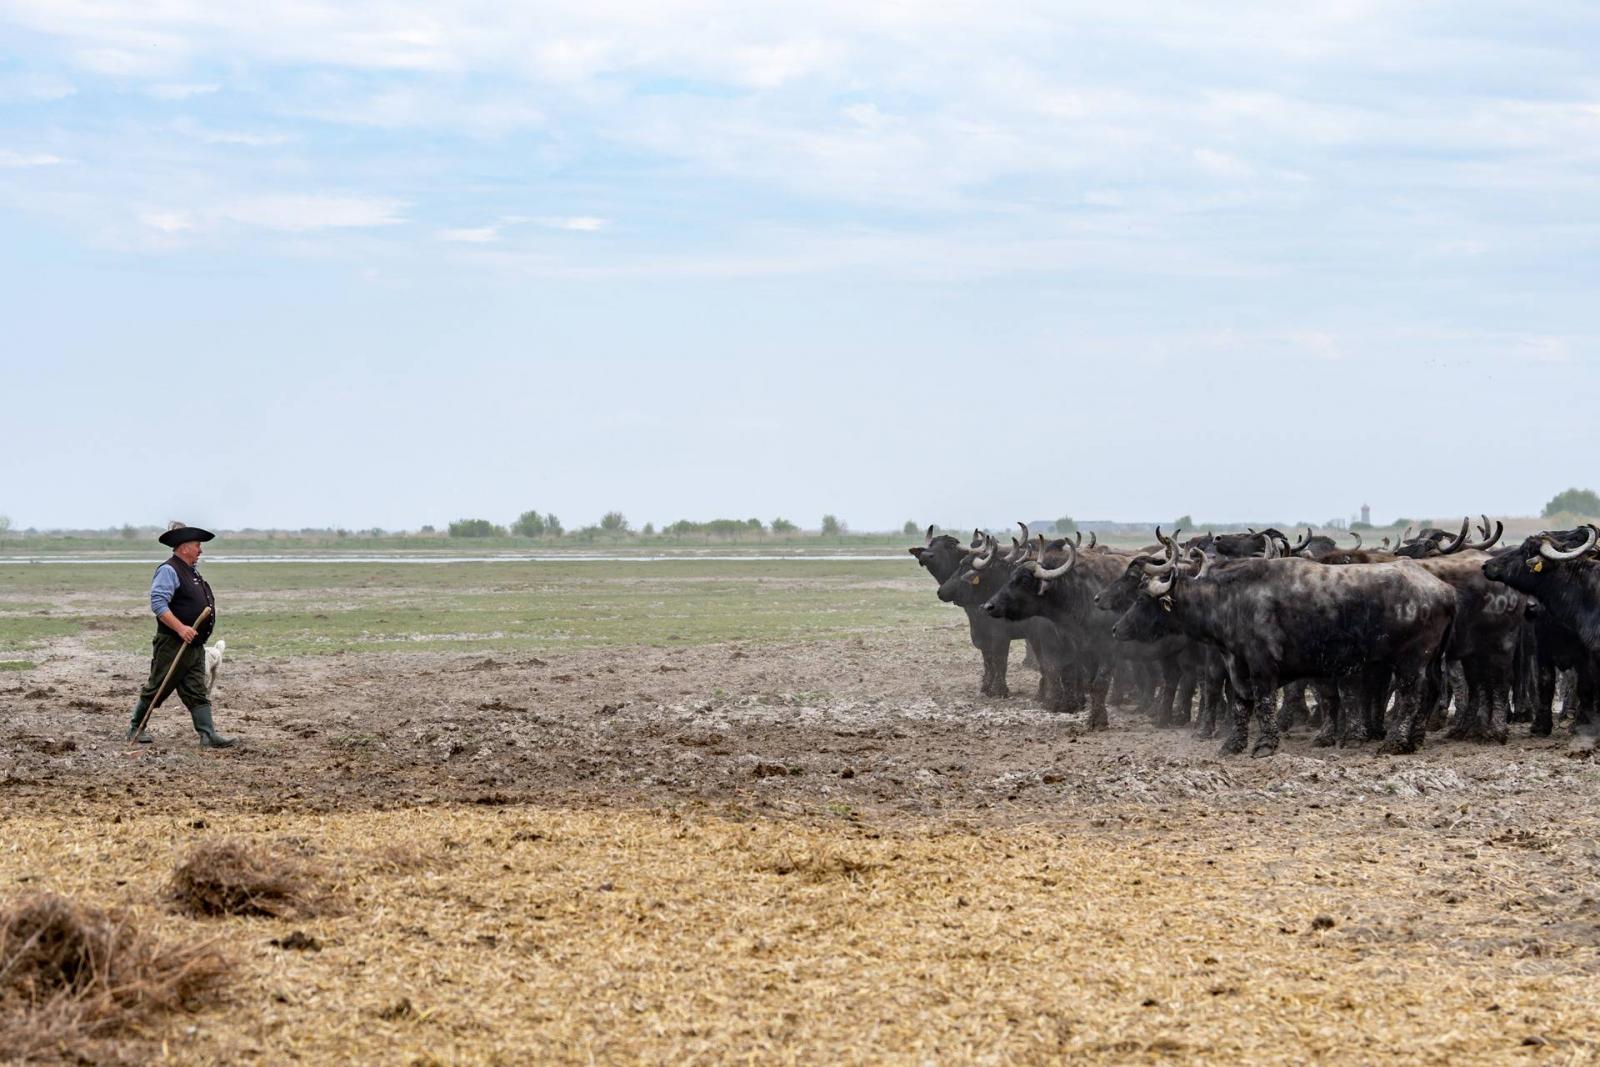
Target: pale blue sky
x: 396, y: 263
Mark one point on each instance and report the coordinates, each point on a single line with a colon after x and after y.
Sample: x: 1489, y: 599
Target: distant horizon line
x: 128, y: 531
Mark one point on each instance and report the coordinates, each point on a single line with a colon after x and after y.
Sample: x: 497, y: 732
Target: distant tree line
x: 614, y: 525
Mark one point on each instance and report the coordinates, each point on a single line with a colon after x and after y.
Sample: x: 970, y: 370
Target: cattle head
x: 981, y: 574
x: 1540, y: 558
x: 1435, y: 542
x: 1268, y: 542
x: 1148, y: 615
x: 1031, y: 580
x: 1120, y: 594
x: 941, y: 555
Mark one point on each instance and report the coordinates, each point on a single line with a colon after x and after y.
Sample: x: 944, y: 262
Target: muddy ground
x: 1410, y: 907
x: 876, y: 726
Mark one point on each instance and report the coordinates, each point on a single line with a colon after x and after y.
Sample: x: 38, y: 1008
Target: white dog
x: 213, y: 661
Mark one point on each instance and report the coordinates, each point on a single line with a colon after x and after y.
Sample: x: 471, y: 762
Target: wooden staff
x: 161, y: 690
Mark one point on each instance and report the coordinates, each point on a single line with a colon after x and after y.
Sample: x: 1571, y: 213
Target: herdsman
x: 178, y: 598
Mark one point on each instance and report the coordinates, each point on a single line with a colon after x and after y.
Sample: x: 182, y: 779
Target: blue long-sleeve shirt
x: 162, y: 586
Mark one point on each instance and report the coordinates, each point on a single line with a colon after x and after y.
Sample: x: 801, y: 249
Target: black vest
x: 192, y: 597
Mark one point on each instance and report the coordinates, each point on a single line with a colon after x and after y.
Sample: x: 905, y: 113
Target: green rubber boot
x: 209, y: 738
x: 133, y: 724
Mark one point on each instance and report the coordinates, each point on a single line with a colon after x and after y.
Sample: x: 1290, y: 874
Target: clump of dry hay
x: 232, y: 878
x: 72, y: 974
x: 821, y: 863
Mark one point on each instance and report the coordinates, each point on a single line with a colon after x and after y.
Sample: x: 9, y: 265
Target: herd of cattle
x: 1432, y: 632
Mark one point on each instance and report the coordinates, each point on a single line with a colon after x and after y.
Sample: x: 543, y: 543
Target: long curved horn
x: 1296, y: 549
x: 1150, y: 566
x: 1159, y: 587
x: 1016, y: 553
x: 1026, y: 537
x: 1202, y: 559
x: 929, y: 542
x: 1550, y: 551
x: 986, y: 557
x: 1499, y: 528
x: 1079, y: 542
x: 1093, y: 540
x: 1357, y: 536
x: 1486, y: 527
x: 1386, y: 543
x: 1403, y: 538
x: 1043, y: 573
x: 1461, y: 539
x: 1269, y: 547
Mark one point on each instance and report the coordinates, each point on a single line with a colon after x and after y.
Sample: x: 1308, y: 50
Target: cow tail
x: 1439, y: 668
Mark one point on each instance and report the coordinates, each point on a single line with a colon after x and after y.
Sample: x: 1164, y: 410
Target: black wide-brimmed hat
x: 178, y: 533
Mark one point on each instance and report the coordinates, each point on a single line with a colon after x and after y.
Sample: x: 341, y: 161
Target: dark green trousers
x: 188, y: 681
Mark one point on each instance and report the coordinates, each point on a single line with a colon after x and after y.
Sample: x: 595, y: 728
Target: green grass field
x: 276, y: 609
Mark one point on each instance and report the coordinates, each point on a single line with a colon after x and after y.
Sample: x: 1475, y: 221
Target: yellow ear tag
x: 1538, y: 565
x: 975, y: 579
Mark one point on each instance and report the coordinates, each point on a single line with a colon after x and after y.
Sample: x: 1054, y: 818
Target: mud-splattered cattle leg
x: 994, y: 669
x: 1293, y: 710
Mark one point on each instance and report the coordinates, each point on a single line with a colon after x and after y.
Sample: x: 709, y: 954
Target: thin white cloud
x: 181, y: 90
x: 579, y: 223
x: 1542, y: 348
x: 492, y: 233
x: 28, y: 159
x: 167, y: 222
x: 34, y: 87
x: 1222, y: 165
x: 295, y: 213
x: 207, y: 135
x: 473, y: 235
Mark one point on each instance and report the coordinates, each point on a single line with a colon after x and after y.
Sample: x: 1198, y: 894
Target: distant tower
x: 1366, y: 514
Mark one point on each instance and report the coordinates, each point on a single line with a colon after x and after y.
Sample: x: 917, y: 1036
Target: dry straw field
x: 708, y: 813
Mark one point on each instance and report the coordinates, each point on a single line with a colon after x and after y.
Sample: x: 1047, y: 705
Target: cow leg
x: 1412, y: 704
x: 1213, y: 702
x: 1168, y: 693
x: 1465, y: 724
x: 1566, y: 692
x: 1246, y: 698
x: 994, y: 669
x: 1266, y: 725
x: 1120, y: 683
x: 1498, y: 694
x: 1584, y: 689
x: 1294, y: 708
x: 1144, y: 687
x: 1185, y: 697
x: 1461, y: 689
x: 1060, y: 700
x: 1379, y: 687
x: 1238, y: 735
x: 1326, y: 690
x: 1543, y: 683
x: 1052, y: 689
x: 1099, y: 682
x: 1335, y: 708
